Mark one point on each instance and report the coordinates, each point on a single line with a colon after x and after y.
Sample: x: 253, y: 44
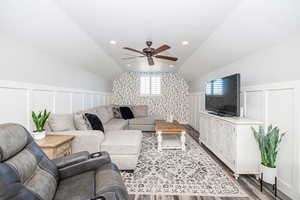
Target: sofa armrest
x: 71, y: 159
x: 84, y: 166
x: 89, y: 140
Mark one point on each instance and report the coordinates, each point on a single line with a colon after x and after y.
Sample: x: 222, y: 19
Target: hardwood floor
x: 248, y: 183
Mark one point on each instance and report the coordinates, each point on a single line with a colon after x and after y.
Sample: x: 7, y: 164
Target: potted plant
x: 39, y: 122
x: 268, y: 145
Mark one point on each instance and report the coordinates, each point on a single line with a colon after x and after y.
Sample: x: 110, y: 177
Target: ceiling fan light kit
x: 150, y: 52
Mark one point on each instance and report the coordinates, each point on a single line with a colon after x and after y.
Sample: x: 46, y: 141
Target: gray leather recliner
x: 26, y: 173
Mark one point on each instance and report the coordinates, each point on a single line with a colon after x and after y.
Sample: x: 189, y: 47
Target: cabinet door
x: 203, y: 129
x: 219, y: 136
x: 229, y: 144
x: 213, y: 137
x: 201, y: 124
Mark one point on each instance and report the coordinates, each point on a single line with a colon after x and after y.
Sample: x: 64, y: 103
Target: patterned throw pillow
x: 80, y: 122
x: 117, y: 113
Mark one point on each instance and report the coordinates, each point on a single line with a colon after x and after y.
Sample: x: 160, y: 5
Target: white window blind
x: 150, y: 85
x: 215, y: 87
x: 155, y: 85
x: 145, y: 85
x: 218, y: 87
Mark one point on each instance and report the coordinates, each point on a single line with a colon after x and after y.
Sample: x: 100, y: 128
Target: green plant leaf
x: 268, y: 144
x: 40, y: 119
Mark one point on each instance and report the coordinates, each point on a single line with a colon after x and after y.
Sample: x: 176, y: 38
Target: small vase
x: 269, y: 174
x: 39, y: 135
x: 170, y: 118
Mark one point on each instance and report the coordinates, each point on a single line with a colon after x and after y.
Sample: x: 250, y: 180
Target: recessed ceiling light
x: 113, y: 42
x: 128, y: 65
x: 171, y: 65
x: 185, y: 43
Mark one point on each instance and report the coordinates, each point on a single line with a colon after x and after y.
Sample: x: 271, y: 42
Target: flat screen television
x: 222, y: 96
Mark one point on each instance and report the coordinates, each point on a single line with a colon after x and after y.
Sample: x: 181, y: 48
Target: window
x: 150, y: 85
x: 215, y: 87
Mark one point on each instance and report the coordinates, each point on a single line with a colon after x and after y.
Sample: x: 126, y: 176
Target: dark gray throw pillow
x: 126, y: 113
x: 94, y: 121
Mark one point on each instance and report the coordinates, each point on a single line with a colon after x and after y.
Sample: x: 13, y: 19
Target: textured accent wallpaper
x: 173, y: 99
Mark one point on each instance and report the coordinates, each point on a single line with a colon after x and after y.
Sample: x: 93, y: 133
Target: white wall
x: 274, y: 64
x: 19, y: 62
x: 32, y: 81
x: 271, y: 94
x: 19, y: 99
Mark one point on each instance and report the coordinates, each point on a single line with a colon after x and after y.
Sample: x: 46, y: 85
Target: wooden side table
x: 56, y: 146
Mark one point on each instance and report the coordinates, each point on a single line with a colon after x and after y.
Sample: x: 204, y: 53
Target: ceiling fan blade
x: 161, y: 49
x: 134, y: 50
x: 150, y: 60
x: 166, y: 57
x: 133, y: 57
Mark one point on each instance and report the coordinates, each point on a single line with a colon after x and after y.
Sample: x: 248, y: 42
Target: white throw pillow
x: 140, y: 110
x: 63, y: 122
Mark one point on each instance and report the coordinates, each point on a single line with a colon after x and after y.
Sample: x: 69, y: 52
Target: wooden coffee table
x: 163, y: 127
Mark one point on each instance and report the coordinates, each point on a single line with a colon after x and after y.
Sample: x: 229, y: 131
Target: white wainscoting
x: 277, y: 104
x: 17, y: 100
x: 196, y: 104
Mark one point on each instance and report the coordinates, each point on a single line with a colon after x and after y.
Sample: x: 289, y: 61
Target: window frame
x: 150, y: 85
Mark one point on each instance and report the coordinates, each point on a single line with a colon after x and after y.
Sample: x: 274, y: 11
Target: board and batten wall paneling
x: 18, y: 100
x: 14, y: 105
x: 277, y: 104
x: 63, y: 102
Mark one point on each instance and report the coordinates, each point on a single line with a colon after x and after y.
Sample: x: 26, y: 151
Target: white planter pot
x: 269, y: 174
x: 39, y: 135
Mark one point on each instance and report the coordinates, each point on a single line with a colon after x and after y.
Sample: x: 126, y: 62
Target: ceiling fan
x: 150, y: 52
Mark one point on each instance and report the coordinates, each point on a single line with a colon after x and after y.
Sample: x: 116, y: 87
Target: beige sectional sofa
x: 121, y: 138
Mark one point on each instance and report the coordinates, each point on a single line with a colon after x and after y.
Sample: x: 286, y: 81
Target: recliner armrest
x: 84, y: 166
x: 71, y: 159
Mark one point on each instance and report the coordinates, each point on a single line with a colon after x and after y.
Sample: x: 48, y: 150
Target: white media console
x: 232, y: 141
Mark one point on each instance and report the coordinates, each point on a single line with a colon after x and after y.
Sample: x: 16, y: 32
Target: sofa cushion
x: 143, y: 121
x: 94, y: 121
x: 126, y: 112
x: 103, y: 114
x: 122, y: 142
x: 116, y: 124
x: 77, y: 186
x: 140, y: 110
x: 64, y: 122
x: 116, y: 112
x: 80, y: 122
x: 110, y: 111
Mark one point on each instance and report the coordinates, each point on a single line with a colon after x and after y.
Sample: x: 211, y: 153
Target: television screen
x: 222, y: 96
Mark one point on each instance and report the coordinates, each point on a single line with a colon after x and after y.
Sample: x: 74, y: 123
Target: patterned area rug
x: 175, y: 172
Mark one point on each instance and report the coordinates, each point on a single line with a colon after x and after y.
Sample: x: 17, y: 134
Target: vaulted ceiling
x: 79, y: 31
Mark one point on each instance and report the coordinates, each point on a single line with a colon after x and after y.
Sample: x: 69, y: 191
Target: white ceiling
x: 253, y: 25
x: 219, y: 32
x: 132, y: 22
x: 43, y: 25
